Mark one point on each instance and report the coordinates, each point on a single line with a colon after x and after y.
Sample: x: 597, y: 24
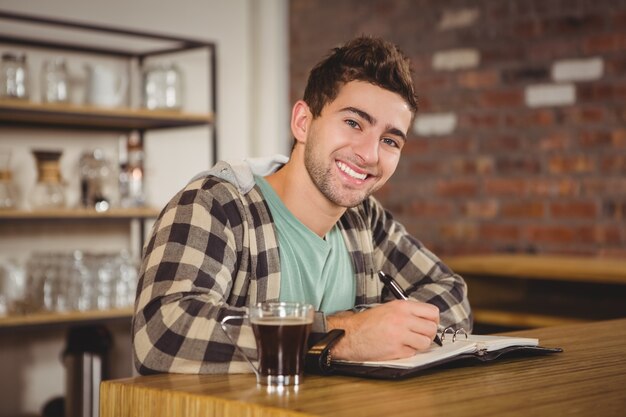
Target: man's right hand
x: 397, y: 329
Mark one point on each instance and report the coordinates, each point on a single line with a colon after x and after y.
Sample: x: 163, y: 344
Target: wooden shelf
x: 36, y: 319
x: 17, y: 112
x: 80, y: 213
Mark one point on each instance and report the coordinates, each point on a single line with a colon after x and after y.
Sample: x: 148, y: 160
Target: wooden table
x: 526, y: 291
x: 587, y: 379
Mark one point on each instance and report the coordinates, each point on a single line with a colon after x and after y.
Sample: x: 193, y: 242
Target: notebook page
x: 434, y: 353
x: 491, y: 343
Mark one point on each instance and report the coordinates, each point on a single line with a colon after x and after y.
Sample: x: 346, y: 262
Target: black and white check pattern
x: 214, y: 251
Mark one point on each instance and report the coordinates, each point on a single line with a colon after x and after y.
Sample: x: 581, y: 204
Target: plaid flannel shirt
x: 214, y: 251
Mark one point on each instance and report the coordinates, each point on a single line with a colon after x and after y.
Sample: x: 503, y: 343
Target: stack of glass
x: 74, y: 281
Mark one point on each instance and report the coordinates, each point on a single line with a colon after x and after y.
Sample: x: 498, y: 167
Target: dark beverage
x: 281, y: 344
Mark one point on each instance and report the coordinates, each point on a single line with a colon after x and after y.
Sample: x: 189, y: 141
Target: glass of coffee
x: 281, y: 331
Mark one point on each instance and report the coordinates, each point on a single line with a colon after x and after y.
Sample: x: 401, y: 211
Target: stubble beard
x: 321, y: 173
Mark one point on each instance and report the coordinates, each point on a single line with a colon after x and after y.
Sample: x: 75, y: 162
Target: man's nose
x: 367, y: 149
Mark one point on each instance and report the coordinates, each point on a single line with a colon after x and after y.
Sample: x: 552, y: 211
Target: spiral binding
x: 454, y: 332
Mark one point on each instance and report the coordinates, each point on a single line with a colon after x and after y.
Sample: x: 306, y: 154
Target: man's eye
x: 391, y: 142
x: 352, y: 123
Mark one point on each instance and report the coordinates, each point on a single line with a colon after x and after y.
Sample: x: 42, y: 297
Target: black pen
x: 399, y: 293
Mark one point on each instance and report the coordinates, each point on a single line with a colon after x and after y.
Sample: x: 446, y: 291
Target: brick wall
x: 520, y: 141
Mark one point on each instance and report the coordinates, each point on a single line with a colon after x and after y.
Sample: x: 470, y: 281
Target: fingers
x: 420, y: 325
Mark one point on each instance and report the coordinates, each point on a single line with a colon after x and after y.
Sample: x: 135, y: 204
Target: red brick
x: 505, y: 186
x: 618, y: 138
x: 612, y: 253
x: 499, y: 232
x: 524, y: 164
x: 615, y: 210
x: 480, y: 165
x: 607, y: 42
x: 578, y: 210
x: 574, y: 164
x: 501, y: 143
x: 609, y: 235
x: 595, y: 139
x: 559, y: 140
x: 427, y: 167
x: 478, y: 79
x: 435, y: 82
x: 561, y: 234
x: 566, y: 187
x: 452, y: 144
x: 604, y: 186
x: 472, y: 120
x: 457, y: 188
x: 526, y: 209
x: 431, y: 209
x: 614, y: 164
x: 530, y: 118
x: 502, y: 98
x: 601, y: 92
x: 459, y: 231
x: 484, y: 209
x: 586, y: 115
x: 416, y: 146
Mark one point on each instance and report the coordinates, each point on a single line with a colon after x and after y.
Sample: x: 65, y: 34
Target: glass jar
x: 55, y: 82
x: 174, y: 84
x: 14, y: 79
x: 163, y: 87
x: 49, y: 191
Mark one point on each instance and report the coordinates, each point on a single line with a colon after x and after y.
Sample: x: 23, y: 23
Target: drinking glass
x: 281, y: 331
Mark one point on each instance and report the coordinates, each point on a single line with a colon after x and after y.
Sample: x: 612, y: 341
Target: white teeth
x: 345, y: 168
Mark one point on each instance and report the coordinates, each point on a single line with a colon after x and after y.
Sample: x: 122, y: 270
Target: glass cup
x: 281, y: 331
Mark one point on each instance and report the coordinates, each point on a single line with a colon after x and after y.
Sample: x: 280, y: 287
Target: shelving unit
x: 45, y: 331
x: 134, y: 46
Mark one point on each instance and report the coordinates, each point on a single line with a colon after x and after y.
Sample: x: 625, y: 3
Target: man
x: 304, y: 229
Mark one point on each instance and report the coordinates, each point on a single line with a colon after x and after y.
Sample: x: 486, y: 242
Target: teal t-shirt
x: 314, y: 270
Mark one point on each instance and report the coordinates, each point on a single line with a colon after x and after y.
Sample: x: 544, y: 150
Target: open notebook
x: 473, y: 344
x: 455, y: 349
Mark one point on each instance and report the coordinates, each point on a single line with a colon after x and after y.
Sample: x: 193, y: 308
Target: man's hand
x: 397, y: 329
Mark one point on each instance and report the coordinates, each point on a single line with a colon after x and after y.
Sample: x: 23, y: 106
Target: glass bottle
x: 95, y: 176
x: 55, y: 82
x: 131, y: 182
x: 14, y: 79
x: 48, y: 191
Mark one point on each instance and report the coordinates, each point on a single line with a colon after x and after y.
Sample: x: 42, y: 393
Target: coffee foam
x: 281, y: 321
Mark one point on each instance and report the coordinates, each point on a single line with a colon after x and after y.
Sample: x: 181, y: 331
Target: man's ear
x: 300, y: 121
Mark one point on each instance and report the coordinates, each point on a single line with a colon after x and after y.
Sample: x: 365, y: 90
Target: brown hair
x: 366, y: 59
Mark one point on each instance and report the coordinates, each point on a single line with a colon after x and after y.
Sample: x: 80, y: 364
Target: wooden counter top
x: 588, y: 378
x: 566, y: 268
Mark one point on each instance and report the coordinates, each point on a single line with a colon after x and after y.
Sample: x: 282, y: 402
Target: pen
x: 399, y: 293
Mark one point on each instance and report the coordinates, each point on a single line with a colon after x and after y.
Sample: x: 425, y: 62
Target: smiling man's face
x: 354, y: 146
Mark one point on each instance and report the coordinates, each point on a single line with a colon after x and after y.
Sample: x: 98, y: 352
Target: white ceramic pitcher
x: 105, y: 87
